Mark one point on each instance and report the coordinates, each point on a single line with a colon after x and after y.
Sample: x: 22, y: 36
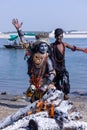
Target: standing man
x: 62, y: 75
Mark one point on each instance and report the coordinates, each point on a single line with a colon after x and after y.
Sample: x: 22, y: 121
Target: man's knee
x: 67, y: 89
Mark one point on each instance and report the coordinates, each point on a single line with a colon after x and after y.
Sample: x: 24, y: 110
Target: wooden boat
x: 13, y: 46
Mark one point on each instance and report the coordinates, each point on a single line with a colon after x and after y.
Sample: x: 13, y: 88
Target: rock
x: 63, y: 119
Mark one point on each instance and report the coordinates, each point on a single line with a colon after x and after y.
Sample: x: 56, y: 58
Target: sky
x: 44, y: 15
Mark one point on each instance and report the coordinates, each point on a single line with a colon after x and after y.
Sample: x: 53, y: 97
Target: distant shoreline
x: 7, y: 36
x: 73, y: 35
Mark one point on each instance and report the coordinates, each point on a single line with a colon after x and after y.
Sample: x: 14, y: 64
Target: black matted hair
x: 58, y: 31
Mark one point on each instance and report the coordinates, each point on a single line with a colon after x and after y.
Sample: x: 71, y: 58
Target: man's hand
x: 44, y: 88
x: 16, y: 23
x: 85, y: 50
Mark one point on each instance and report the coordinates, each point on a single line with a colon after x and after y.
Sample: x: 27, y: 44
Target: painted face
x: 43, y: 48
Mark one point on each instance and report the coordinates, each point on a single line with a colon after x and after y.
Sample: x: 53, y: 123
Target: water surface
x: 13, y: 68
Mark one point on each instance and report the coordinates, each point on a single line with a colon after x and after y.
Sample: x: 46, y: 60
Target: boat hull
x: 13, y: 46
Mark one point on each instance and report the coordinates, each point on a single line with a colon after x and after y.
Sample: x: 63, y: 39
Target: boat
x: 13, y: 46
x: 13, y: 43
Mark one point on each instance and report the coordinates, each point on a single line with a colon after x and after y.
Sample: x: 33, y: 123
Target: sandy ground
x: 80, y: 105
x: 10, y: 104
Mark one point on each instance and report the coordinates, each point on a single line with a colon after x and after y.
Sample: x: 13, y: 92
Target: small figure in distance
x: 15, y: 42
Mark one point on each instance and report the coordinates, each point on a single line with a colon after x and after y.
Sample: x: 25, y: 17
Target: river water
x: 13, y: 68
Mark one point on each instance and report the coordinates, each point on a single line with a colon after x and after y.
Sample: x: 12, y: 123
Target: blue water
x: 13, y: 68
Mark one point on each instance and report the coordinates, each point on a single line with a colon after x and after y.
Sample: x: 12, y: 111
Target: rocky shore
x: 10, y: 104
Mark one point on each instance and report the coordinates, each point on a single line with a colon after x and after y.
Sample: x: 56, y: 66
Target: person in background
x: 62, y: 76
x: 15, y: 42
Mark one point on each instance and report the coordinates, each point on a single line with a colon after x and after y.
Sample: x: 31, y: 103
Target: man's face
x: 59, y: 38
x: 43, y: 48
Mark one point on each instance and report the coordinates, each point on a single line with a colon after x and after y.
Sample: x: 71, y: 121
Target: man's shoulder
x: 52, y: 44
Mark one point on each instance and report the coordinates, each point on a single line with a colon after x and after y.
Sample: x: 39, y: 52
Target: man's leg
x: 66, y: 84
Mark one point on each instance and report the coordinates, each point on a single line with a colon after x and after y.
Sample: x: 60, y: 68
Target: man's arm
x: 18, y: 26
x: 74, y: 48
x: 51, y: 73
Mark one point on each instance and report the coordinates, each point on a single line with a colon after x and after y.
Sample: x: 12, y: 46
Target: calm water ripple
x: 13, y: 68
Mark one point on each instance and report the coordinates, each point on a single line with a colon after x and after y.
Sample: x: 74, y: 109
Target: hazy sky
x: 44, y: 15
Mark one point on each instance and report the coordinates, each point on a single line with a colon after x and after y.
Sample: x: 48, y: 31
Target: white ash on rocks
x: 63, y: 119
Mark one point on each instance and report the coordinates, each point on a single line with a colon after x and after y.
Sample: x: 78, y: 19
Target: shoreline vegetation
x: 10, y: 104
